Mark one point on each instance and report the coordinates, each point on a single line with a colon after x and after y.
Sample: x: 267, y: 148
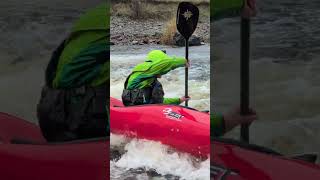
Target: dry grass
x: 121, y: 9
x: 138, y: 9
x: 143, y: 9
x: 169, y: 31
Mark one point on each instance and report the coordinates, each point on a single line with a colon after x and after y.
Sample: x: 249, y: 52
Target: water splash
x: 156, y: 157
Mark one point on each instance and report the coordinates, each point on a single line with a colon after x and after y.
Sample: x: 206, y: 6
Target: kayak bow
x: 182, y: 128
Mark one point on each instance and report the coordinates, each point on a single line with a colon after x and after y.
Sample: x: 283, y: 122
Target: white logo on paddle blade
x: 188, y: 14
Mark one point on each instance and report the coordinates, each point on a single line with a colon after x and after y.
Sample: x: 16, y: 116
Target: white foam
x: 156, y: 156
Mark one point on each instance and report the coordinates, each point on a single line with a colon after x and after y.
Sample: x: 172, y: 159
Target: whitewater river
x: 142, y: 159
x: 285, y: 78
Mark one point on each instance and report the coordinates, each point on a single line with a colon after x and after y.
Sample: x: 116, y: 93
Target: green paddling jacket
x: 88, y: 41
x: 222, y: 9
x: 158, y: 63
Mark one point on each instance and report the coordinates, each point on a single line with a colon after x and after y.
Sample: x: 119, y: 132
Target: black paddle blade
x: 187, y: 19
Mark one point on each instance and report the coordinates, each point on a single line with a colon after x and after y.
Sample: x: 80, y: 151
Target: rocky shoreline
x: 126, y: 31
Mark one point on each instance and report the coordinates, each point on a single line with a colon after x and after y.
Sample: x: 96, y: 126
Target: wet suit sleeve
x: 217, y: 126
x: 158, y: 68
x: 225, y: 8
x: 171, y: 101
x: 164, y: 66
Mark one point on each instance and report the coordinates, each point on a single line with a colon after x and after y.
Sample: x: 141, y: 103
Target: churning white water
x: 142, y: 159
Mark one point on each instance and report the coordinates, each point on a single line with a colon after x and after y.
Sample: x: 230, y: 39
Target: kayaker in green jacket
x: 74, y: 100
x: 220, y: 124
x: 142, y: 86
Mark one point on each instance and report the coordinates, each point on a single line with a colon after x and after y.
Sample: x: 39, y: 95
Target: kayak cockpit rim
x: 79, y: 141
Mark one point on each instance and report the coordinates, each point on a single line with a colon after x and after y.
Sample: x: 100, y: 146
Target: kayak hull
x: 24, y: 154
x: 233, y: 162
x: 184, y: 129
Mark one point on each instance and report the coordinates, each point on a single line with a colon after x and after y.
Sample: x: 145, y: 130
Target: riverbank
x: 129, y: 29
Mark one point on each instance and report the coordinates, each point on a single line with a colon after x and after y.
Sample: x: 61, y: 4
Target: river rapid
x: 143, y: 159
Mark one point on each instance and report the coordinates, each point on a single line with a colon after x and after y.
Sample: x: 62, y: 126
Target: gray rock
x: 179, y: 40
x: 135, y: 42
x: 157, y: 34
x: 145, y: 41
x: 194, y: 41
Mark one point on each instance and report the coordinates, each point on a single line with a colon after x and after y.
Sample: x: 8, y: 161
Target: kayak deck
x: 184, y: 129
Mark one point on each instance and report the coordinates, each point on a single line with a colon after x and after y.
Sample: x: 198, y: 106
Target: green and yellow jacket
x: 88, y: 41
x: 222, y: 9
x: 158, y: 63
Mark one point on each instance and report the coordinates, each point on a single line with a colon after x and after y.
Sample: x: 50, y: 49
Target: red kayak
x: 231, y: 160
x: 24, y: 154
x: 182, y: 128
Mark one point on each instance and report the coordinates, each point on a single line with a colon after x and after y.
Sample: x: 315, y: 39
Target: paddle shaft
x: 187, y: 20
x: 186, y: 70
x: 244, y: 77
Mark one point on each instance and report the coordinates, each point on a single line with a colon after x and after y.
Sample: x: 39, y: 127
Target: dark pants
x: 79, y: 113
x: 149, y: 95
